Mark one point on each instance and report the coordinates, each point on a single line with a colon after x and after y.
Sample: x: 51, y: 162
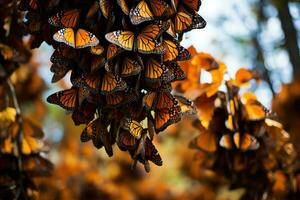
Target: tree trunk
x: 290, y: 33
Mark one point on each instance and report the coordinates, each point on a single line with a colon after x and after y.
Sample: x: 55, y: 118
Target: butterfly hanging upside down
x: 77, y: 39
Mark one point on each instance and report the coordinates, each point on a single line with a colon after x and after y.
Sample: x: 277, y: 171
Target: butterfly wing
x: 158, y: 7
x: 165, y: 117
x: 141, y: 13
x: 97, y: 50
x: 149, y: 100
x: 112, y: 83
x: 84, y: 113
x: 106, y: 8
x: 59, y: 72
x: 67, y: 99
x: 157, y: 71
x: 134, y: 127
x: 66, y: 36
x: 165, y: 100
x: 226, y: 141
x: 85, y: 39
x: 112, y: 51
x: 130, y: 67
x: 126, y: 141
x: 65, y: 19
x: 146, y: 40
x: 171, y: 50
x: 184, y: 21
x: 245, y: 142
x: 177, y: 72
x: 151, y: 153
x: 123, y: 39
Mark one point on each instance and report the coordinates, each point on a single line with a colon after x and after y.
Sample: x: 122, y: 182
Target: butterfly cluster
x: 239, y: 139
x: 21, y: 138
x: 123, y: 56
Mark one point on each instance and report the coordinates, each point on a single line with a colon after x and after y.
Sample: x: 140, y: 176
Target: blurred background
x: 255, y: 34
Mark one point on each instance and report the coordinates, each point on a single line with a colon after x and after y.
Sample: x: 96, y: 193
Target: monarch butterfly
x: 134, y: 127
x: 84, y: 113
x: 69, y: 99
x: 109, y: 83
x: 142, y: 12
x: 65, y: 18
x: 144, y: 42
x: 97, y: 132
x: 244, y: 141
x: 126, y: 141
x: 206, y: 140
x: 97, y: 50
x: 173, y: 51
x: 157, y: 71
x: 59, y: 71
x: 187, y: 107
x: 185, y: 21
x: 166, y: 116
x: 159, y: 100
x: 80, y: 39
x: 130, y: 66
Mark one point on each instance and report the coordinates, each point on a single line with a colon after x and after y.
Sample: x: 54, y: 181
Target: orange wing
x: 80, y: 39
x: 184, y: 21
x: 130, y: 67
x: 92, y: 81
x: 85, y: 39
x: 106, y: 8
x: 67, y: 99
x: 156, y: 71
x: 112, y: 83
x: 97, y: 50
x: 149, y: 100
x: 112, y: 51
x: 146, y: 40
x: 124, y: 39
x: 67, y: 18
x: 165, y: 100
x: 141, y: 13
x: 165, y: 117
x: 171, y: 50
x: 158, y: 7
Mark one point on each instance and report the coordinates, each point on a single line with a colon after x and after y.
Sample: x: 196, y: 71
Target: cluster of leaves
x: 123, y: 57
x: 21, y: 142
x: 240, y: 140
